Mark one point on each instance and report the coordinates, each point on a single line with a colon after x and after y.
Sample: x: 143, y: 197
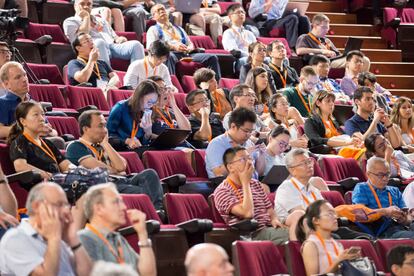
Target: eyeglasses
x: 283, y: 144
x: 307, y: 162
x: 5, y: 52
x: 202, y: 101
x: 248, y: 131
x: 242, y: 159
x: 152, y: 103
x: 329, y: 214
x: 280, y: 47
x: 239, y: 12
x: 251, y: 95
x: 260, y: 50
x: 381, y: 175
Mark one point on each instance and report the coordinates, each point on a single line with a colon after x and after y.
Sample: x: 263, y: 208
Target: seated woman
x: 321, y: 254
x: 400, y: 165
x: 289, y: 117
x: 257, y: 54
x: 402, y: 117
x: 322, y: 128
x: 166, y: 114
x: 258, y: 80
x: 130, y: 121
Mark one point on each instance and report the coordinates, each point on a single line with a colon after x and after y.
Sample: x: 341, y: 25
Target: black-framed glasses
x: 306, y: 162
x: 381, y: 175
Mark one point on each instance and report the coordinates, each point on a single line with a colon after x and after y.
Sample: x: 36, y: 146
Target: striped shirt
x: 225, y: 198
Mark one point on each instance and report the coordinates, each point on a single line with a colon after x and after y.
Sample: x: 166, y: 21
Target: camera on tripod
x: 10, y: 21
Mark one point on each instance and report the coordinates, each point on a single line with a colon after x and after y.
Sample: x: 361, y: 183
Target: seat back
x: 188, y: 84
x: 134, y: 163
x: 47, y: 71
x: 367, y: 250
x: 116, y: 95
x: 268, y: 40
x: 257, y: 258
x: 143, y: 203
x: 65, y: 125
x: 383, y: 246
x: 407, y: 15
x: 348, y: 197
x: 47, y: 93
x: 294, y: 258
x: 271, y: 197
x: 168, y: 163
x: 176, y: 83
x: 121, y: 75
x: 200, y: 163
x: 36, y: 30
x: 202, y: 41
x: 334, y: 197
x: 183, y: 207
x: 336, y: 169
x: 180, y: 100
x: 83, y: 96
x: 228, y: 83
x: 5, y: 162
x: 214, y: 212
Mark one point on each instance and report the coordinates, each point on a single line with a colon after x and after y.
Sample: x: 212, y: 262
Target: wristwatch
x: 147, y: 243
x: 3, y: 181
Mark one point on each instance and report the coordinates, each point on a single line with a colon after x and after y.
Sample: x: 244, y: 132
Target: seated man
x: 110, y: 45
x: 5, y: 56
x: 87, y: 68
x: 106, y: 212
x: 204, y: 124
x: 283, y: 75
x: 400, y: 259
x: 205, y: 79
x: 8, y: 205
x: 301, y: 95
x: 151, y: 65
x: 274, y: 15
x: 321, y: 65
x: 316, y: 42
x: 240, y: 197
x: 207, y: 259
x: 46, y: 243
x: 93, y: 150
x: 386, y: 200
x: 237, y: 38
x: 381, y: 94
x: 241, y: 124
x: 178, y: 41
x: 369, y: 119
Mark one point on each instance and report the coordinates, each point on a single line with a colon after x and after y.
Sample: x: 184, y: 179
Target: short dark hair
x: 397, y: 255
x: 307, y: 71
x: 2, y: 43
x: 369, y: 143
x: 159, y: 49
x: 359, y: 92
x: 354, y: 53
x: 229, y: 154
x: 233, y: 7
x: 76, y: 43
x: 85, y: 119
x: 271, y: 44
x: 316, y: 59
x: 362, y: 77
x: 189, y: 99
x: 241, y: 115
x: 278, y: 130
x: 237, y: 91
x: 203, y: 75
x: 155, y: 78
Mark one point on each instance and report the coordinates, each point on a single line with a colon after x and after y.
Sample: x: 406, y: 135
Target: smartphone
x: 405, y: 209
x: 354, y: 250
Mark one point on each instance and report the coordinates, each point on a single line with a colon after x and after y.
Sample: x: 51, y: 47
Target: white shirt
x: 288, y: 197
x: 153, y: 35
x: 236, y: 38
x: 136, y: 73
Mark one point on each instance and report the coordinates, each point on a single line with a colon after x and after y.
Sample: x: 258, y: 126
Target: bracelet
x: 76, y: 247
x: 148, y: 243
x: 389, y: 126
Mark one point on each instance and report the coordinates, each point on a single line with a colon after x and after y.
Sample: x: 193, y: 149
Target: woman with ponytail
x: 28, y: 151
x: 321, y: 254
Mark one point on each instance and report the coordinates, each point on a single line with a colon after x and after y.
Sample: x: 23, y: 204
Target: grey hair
x: 375, y: 160
x: 290, y: 156
x: 4, y: 71
x: 36, y: 194
x: 199, y: 257
x: 93, y: 196
x: 102, y: 268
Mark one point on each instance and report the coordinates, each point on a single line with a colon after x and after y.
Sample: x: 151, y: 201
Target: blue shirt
x: 8, y: 104
x: 328, y: 84
x: 358, y: 124
x: 362, y: 195
x: 276, y: 11
x: 120, y: 123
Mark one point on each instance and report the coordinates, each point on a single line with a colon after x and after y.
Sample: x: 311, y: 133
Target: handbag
x: 77, y: 181
x: 358, y: 267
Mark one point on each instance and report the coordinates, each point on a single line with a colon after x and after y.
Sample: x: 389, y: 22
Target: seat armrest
x: 153, y: 227
x: 397, y: 182
x: 26, y: 178
x: 349, y: 183
x: 196, y: 225
x: 175, y: 180
x: 343, y: 221
x: 68, y: 137
x: 246, y: 225
x: 395, y: 23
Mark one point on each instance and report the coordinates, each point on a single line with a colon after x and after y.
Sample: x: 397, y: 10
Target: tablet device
x: 352, y: 44
x: 276, y: 175
x: 188, y: 6
x: 297, y: 7
x: 170, y: 138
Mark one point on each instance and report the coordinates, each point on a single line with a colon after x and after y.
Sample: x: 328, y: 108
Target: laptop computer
x: 297, y: 7
x: 276, y: 175
x: 352, y: 44
x: 188, y: 6
x: 170, y: 138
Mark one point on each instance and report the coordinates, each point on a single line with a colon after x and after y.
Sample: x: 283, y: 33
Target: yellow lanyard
x: 306, y: 105
x: 154, y: 72
x: 282, y: 78
x: 96, y: 71
x: 330, y: 262
x: 303, y: 196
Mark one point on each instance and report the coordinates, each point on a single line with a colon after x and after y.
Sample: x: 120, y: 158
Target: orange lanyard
x: 96, y: 153
x: 240, y: 35
x: 327, y: 85
x: 154, y: 71
x: 314, y: 38
x: 330, y: 262
x: 306, y: 105
x: 96, y: 71
x: 119, y: 254
x: 303, y: 196
x: 330, y: 128
x: 134, y: 130
x: 169, y: 122
x: 205, y: 3
x: 282, y: 78
x: 173, y: 34
x: 218, y: 104
x: 374, y: 193
x: 43, y: 146
x: 235, y: 189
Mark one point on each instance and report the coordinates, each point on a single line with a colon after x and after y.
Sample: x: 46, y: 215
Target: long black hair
x: 21, y: 112
x: 313, y: 211
x: 145, y: 87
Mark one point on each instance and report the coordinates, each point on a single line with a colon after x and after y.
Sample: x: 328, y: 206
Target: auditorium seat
x: 268, y: 40
x: 121, y: 75
x: 367, y: 250
x: 177, y: 83
x: 188, y: 84
x: 134, y: 163
x: 36, y: 30
x: 383, y: 246
x: 228, y: 83
x: 334, y: 197
x: 259, y: 258
x: 348, y: 197
x: 188, y: 68
x: 294, y: 259
x: 128, y: 35
x: 65, y: 125
x: 52, y: 94
x: 116, y: 95
x: 29, y: 50
x: 180, y: 100
x: 47, y: 71
x: 83, y: 96
x: 200, y: 163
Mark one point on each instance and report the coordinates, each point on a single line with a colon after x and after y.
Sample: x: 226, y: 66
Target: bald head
x: 374, y: 162
x: 207, y: 259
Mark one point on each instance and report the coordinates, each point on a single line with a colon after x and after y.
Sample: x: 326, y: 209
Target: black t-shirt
x: 75, y: 65
x: 21, y: 148
x: 292, y: 78
x: 216, y: 129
